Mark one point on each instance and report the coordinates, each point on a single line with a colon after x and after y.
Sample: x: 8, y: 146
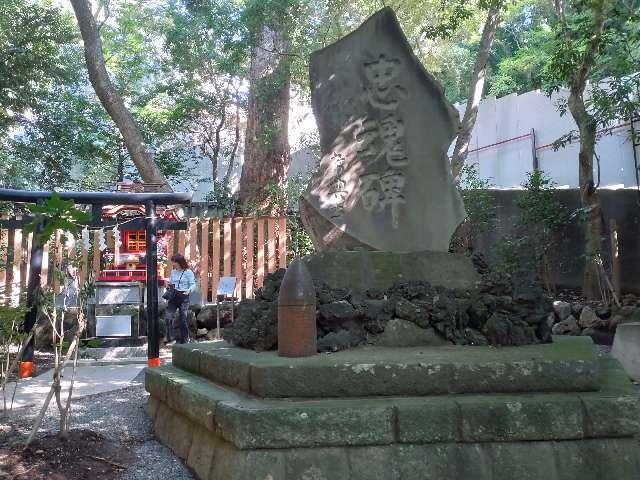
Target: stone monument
x: 384, y: 180
x: 382, y: 205
x: 384, y: 197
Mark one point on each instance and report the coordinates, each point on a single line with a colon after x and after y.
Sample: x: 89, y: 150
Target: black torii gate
x: 150, y: 223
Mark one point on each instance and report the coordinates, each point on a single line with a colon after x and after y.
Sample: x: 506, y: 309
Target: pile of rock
x: 206, y: 320
x: 594, y: 319
x: 407, y: 314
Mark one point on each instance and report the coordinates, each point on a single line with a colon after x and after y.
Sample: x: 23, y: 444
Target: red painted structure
x: 128, y: 263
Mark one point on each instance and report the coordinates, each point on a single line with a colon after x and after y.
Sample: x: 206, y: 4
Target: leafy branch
x: 55, y: 214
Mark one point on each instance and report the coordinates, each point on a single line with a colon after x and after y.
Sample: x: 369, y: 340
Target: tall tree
x: 111, y: 100
x: 32, y: 40
x: 266, y: 154
x: 206, y: 42
x: 596, y: 39
x: 476, y: 88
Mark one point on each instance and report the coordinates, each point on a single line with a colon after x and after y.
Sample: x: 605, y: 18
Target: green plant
x: 55, y: 214
x: 272, y: 200
x: 480, y: 208
x: 531, y: 250
x: 90, y: 343
x: 221, y: 199
x: 300, y: 242
x: 10, y: 321
x: 10, y: 335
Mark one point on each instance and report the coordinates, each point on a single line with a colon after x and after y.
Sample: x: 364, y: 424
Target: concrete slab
x: 626, y: 348
x: 567, y: 365
x: 248, y: 422
x: 90, y: 362
x: 89, y: 381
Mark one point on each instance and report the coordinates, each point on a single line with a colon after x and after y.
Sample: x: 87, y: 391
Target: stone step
x: 248, y: 422
x: 569, y: 364
x: 110, y: 353
x: 212, y: 458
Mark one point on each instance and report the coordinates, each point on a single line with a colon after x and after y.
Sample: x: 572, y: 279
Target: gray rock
x: 201, y: 332
x: 603, y: 311
x: 569, y: 326
x: 502, y: 330
x: 498, y: 329
x: 576, y: 309
x: 562, y: 309
x: 407, y: 310
x: 378, y: 310
x: 337, y: 311
x: 402, y: 333
x: 382, y: 182
x: 211, y: 334
x: 255, y: 327
x: 589, y: 319
x: 340, y: 340
x: 472, y: 337
x: 376, y: 314
x: 635, y: 316
x: 627, y: 310
x: 616, y: 320
x: 206, y: 317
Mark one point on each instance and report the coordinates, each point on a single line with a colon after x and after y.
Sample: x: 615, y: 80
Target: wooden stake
x: 615, y: 257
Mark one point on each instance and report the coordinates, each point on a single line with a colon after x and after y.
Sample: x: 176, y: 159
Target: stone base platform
x: 215, y: 408
x: 360, y: 270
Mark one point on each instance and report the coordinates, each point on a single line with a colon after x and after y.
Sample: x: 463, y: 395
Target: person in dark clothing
x: 183, y: 281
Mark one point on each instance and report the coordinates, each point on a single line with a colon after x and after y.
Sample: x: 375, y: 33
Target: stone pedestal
x: 553, y: 412
x: 626, y: 348
x: 361, y: 270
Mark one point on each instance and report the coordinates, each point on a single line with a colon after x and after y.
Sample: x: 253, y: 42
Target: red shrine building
x: 126, y: 263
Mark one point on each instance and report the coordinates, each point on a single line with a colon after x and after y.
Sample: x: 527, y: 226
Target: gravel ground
x: 120, y: 416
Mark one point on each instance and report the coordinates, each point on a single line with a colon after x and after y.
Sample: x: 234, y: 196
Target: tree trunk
x: 476, y: 88
x: 111, y: 100
x: 217, y: 144
x: 589, y: 198
x: 234, y: 151
x: 266, y: 153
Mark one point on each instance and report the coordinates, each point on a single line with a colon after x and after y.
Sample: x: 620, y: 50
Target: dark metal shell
x: 297, y: 286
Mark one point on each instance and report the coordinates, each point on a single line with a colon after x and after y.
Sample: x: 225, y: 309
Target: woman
x: 184, y: 282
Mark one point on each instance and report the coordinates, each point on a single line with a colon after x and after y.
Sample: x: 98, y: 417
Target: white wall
x: 504, y: 165
x: 514, y: 115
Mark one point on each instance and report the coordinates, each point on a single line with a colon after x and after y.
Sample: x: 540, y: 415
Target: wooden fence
x: 244, y: 247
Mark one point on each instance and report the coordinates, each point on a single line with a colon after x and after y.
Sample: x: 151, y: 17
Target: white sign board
x: 227, y: 286
x: 109, y: 295
x: 113, y: 325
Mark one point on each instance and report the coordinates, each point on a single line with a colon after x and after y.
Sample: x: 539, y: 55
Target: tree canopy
x: 182, y: 68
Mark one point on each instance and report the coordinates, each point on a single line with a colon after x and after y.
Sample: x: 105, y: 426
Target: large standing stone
x: 384, y: 181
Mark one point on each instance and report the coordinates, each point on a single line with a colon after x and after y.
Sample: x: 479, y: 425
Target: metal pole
x: 31, y: 317
x: 534, y: 154
x: 218, y: 317
x: 153, y: 337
